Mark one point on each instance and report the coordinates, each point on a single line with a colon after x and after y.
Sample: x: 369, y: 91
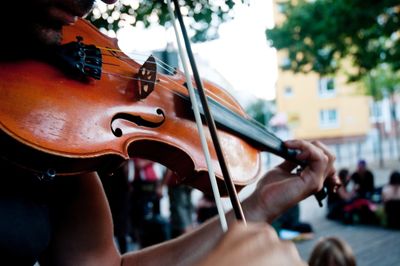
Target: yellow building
x: 321, y: 108
x: 325, y: 108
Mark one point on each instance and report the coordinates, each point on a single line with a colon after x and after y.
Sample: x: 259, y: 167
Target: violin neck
x: 253, y: 132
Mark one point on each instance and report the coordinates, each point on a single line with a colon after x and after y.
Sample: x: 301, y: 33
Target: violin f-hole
x: 150, y: 120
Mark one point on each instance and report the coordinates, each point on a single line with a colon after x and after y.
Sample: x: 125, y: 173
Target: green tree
x: 318, y: 34
x: 205, y: 16
x: 381, y: 82
x: 261, y: 111
x: 371, y: 88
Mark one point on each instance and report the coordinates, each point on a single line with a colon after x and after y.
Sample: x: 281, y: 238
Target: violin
x: 91, y: 107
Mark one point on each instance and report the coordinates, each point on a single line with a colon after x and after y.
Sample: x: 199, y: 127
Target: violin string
x: 171, y: 70
x: 249, y: 119
x: 159, y: 63
x: 167, y: 68
x: 246, y: 119
x: 157, y: 83
x: 223, y: 101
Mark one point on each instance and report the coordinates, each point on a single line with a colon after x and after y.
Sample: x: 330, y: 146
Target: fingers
x: 281, y: 188
x: 334, y: 183
x: 332, y: 180
x: 308, y: 150
x: 306, y: 153
x: 331, y: 171
x: 287, y: 166
x: 319, y: 162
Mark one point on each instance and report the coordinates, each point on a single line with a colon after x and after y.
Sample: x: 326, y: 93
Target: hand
x: 281, y: 189
x: 251, y: 245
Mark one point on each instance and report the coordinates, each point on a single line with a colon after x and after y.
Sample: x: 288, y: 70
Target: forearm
x: 274, y: 199
x: 187, y: 249
x: 194, y: 246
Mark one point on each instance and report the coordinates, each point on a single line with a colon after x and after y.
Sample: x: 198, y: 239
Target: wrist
x: 254, y: 210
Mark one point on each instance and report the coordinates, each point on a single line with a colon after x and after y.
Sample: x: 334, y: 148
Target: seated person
x: 348, y: 206
x: 337, y: 201
x: 391, y: 200
x: 363, y: 180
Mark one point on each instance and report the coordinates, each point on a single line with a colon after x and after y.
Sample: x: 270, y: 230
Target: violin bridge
x: 147, y: 78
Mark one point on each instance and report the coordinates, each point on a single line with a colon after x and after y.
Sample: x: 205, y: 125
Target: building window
x: 288, y: 91
x: 326, y: 87
x: 328, y: 118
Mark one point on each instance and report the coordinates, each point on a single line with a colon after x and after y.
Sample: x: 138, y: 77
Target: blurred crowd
x: 135, y: 192
x: 360, y: 201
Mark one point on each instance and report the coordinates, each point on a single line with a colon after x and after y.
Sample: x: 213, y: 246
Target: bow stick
x: 208, y: 116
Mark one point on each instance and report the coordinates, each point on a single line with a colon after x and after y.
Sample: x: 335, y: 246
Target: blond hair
x: 332, y: 251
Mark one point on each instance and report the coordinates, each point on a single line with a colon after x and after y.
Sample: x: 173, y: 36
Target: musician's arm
x: 241, y: 245
x: 82, y: 231
x: 83, y: 228
x: 81, y: 224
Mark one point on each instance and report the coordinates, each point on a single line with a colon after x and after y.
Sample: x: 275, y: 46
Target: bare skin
x: 257, y: 243
x: 83, y: 234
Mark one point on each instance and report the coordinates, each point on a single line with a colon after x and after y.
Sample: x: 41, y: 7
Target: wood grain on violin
x: 73, y: 123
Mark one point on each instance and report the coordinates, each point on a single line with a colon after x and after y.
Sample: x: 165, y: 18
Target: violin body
x: 50, y: 120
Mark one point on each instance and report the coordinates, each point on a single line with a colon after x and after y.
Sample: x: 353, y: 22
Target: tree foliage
x: 382, y: 81
x: 261, y: 111
x: 205, y: 16
x: 318, y: 34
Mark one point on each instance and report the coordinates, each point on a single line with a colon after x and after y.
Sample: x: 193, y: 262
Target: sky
x: 240, y: 58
